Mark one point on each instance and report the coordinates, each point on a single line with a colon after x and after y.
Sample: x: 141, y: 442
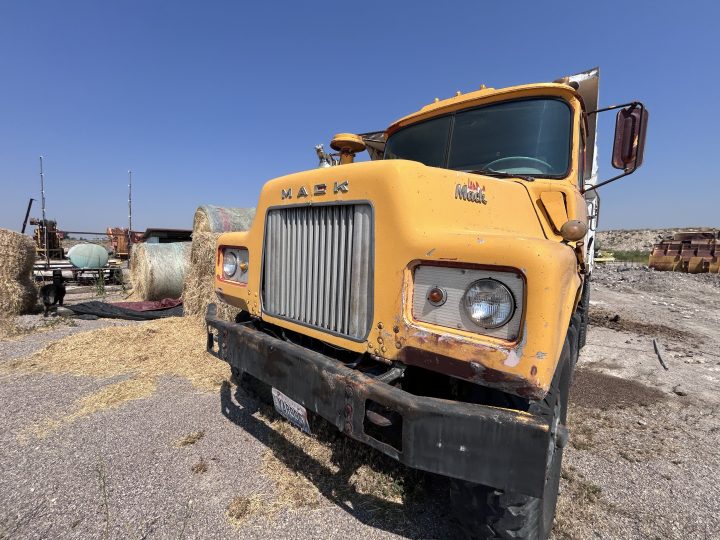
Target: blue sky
x: 205, y: 101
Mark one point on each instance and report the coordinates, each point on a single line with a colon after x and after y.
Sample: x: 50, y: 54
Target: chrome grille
x: 317, y: 267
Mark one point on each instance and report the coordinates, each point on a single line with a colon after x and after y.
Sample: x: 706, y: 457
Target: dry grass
x: 216, y: 219
x: 191, y: 438
x: 10, y: 329
x: 241, y: 508
x: 18, y: 293
x: 17, y: 296
x: 326, y: 469
x: 143, y: 353
x: 172, y: 346
x: 302, y: 467
x: 581, y: 503
x: 108, y: 397
x: 200, y: 467
x: 209, y: 223
x: 17, y: 254
x: 199, y: 288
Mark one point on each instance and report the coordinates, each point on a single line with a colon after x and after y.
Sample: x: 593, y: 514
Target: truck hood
x: 412, y: 197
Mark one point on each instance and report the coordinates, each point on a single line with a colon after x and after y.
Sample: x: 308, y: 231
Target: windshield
x: 529, y: 137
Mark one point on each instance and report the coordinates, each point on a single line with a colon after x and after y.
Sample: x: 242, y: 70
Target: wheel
x: 584, y: 310
x: 485, y: 512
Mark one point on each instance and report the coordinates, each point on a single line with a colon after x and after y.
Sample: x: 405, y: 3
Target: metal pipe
x: 42, y: 192
x: 89, y: 232
x: 27, y: 215
x: 130, y: 234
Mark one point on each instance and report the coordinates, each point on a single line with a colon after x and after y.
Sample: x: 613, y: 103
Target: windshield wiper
x: 501, y: 174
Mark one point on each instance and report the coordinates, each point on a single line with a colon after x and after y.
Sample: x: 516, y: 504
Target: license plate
x: 295, y: 413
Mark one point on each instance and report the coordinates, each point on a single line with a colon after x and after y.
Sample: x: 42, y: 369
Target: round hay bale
x: 209, y: 222
x: 17, y: 254
x: 199, y: 290
x: 217, y: 219
x: 17, y: 296
x: 158, y: 271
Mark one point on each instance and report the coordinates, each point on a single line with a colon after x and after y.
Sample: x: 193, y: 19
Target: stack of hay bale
x: 209, y: 223
x: 158, y: 271
x: 18, y: 293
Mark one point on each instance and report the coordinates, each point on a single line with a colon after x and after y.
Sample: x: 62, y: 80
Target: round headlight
x: 489, y: 303
x: 229, y: 264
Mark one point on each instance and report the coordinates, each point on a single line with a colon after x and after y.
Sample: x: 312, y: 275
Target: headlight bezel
x: 240, y: 265
x: 455, y: 278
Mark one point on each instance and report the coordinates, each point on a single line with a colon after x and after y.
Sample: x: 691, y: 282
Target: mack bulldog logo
x: 317, y: 189
x: 471, y: 192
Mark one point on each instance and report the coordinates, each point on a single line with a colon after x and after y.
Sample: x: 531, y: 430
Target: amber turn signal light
x: 436, y: 296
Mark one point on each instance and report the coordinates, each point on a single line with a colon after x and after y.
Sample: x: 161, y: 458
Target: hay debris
x: 199, y: 289
x: 143, y: 352
x: 108, y: 397
x: 18, y: 293
x: 200, y: 467
x: 217, y: 219
x: 17, y: 296
x: 241, y: 508
x: 191, y: 438
x: 208, y: 224
x: 158, y: 271
x: 308, y: 470
x: 17, y: 255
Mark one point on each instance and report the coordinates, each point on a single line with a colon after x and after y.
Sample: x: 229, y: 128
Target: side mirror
x: 630, y: 130
x: 629, y: 145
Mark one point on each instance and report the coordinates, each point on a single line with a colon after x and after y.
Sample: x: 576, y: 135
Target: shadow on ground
x: 417, y: 507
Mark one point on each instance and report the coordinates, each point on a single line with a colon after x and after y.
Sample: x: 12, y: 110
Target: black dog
x: 55, y: 293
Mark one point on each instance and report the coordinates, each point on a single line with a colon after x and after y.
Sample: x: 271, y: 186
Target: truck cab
x: 431, y: 302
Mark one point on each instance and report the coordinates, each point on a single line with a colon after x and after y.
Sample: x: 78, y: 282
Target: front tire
x: 485, y: 512
x: 584, y: 310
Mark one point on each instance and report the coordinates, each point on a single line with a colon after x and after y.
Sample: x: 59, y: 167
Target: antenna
x: 44, y: 223
x: 130, y: 234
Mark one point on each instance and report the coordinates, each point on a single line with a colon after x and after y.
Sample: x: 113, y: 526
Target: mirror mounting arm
x: 632, y: 104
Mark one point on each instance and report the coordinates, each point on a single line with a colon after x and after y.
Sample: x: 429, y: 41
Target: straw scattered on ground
x: 325, y: 469
x: 12, y: 329
x: 143, y: 353
x: 191, y: 438
x: 108, y: 397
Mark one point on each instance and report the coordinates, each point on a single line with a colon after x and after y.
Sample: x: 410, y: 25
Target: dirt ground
x: 639, y: 239
x: 129, y: 430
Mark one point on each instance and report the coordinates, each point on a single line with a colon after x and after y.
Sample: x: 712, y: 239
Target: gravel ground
x: 644, y: 450
x: 639, y: 239
x: 642, y: 461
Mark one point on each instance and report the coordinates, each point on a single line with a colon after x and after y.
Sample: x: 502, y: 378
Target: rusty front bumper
x: 496, y: 447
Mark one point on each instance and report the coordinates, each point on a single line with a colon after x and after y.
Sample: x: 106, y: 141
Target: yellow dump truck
x: 431, y: 302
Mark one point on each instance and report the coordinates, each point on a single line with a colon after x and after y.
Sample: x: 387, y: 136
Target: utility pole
x: 130, y: 234
x: 44, y: 223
